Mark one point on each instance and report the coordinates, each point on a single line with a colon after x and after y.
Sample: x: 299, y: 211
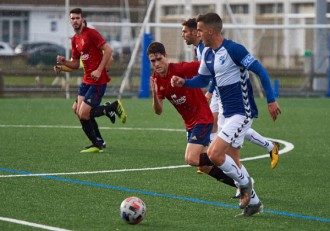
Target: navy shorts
x: 92, y: 93
x: 200, y: 134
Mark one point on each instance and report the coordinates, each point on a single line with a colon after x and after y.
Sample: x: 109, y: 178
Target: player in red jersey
x: 89, y: 46
x: 191, y: 105
x: 112, y: 116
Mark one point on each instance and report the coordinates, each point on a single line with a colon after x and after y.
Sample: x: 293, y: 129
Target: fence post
x: 276, y: 88
x: 145, y: 68
x: 2, y: 84
x: 328, y: 93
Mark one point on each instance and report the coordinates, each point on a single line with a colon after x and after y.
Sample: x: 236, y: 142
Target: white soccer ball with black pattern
x: 133, y: 210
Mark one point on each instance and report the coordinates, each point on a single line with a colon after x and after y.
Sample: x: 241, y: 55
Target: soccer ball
x: 133, y: 210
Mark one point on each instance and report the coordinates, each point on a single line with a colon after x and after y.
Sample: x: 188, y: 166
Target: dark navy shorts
x: 93, y: 94
x: 200, y: 134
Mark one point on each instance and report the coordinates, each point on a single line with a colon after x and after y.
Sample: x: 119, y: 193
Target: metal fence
x: 286, y: 52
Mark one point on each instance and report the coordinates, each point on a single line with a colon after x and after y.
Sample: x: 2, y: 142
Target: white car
x: 5, y: 49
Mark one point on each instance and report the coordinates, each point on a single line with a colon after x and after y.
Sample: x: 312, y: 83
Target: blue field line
x: 195, y: 200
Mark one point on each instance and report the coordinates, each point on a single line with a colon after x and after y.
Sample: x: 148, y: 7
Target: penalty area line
x: 91, y: 172
x: 287, y: 148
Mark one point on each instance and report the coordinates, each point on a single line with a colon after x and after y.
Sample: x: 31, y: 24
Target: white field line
x: 97, y: 172
x: 46, y: 227
x: 287, y: 147
x: 105, y: 128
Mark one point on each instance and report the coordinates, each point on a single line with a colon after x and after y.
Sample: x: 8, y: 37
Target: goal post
x: 136, y: 48
x: 145, y: 68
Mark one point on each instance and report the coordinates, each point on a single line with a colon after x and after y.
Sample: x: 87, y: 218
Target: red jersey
x: 189, y: 102
x: 87, y: 47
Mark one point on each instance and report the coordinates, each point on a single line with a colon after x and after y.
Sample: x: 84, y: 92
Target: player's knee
x: 191, y: 160
x: 84, y: 115
x: 215, y: 128
x: 74, y: 108
x: 216, y: 157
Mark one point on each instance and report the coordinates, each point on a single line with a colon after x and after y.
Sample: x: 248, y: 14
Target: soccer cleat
x: 200, y: 171
x: 251, y: 210
x: 238, y: 192
x: 245, y: 191
x: 92, y: 145
x: 110, y: 114
x: 120, y: 111
x: 92, y: 149
x: 274, y: 154
x: 237, y: 195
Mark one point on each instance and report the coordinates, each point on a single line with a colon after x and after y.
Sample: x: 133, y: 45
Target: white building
x: 275, y: 47
x: 38, y: 20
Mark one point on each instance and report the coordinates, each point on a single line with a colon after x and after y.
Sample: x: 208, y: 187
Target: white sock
x: 213, y: 136
x: 254, y: 198
x: 232, y: 170
x: 244, y: 171
x: 255, y: 138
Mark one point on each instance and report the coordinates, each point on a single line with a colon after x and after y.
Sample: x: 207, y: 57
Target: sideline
x: 155, y: 194
x: 26, y: 223
x: 79, y: 127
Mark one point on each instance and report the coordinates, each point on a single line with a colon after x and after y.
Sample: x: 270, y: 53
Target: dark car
x: 45, y: 55
x: 24, y: 47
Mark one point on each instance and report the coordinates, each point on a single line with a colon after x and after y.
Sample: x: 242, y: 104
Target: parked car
x: 25, y: 47
x: 118, y: 49
x: 5, y: 49
x: 45, y: 55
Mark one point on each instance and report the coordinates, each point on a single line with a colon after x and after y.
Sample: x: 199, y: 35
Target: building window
x: 203, y: 9
x: 269, y: 8
x: 304, y: 8
x: 173, y: 10
x: 13, y: 26
x: 237, y: 9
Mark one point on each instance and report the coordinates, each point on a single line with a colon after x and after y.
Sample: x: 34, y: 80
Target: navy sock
x: 88, y: 128
x: 96, y: 129
x: 204, y: 160
x: 98, y: 111
x: 218, y: 174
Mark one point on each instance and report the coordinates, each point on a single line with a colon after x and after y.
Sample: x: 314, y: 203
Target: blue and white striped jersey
x: 198, y: 50
x: 229, y: 66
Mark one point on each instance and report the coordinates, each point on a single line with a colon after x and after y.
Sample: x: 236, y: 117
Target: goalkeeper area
x: 46, y: 183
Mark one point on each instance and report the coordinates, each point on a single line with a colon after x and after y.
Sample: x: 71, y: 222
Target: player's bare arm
x: 109, y: 63
x: 59, y: 68
x: 72, y: 64
x: 274, y: 110
x: 157, y: 103
x: 107, y: 53
x: 177, y: 81
x: 208, y: 96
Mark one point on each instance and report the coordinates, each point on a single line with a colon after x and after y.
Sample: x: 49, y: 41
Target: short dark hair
x: 156, y: 47
x: 190, y: 23
x: 76, y: 11
x: 212, y: 20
